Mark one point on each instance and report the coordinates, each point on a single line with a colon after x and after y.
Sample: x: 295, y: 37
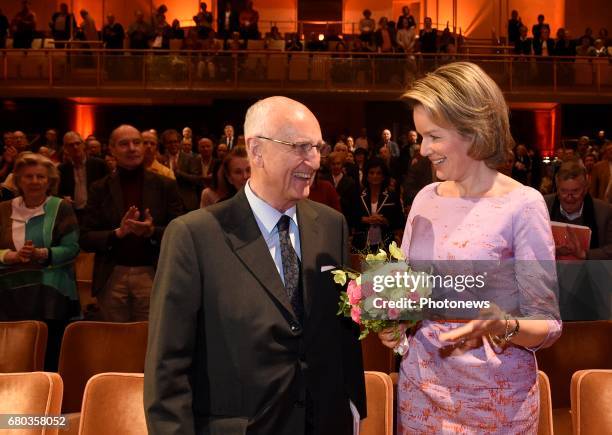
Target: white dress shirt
x: 267, y: 217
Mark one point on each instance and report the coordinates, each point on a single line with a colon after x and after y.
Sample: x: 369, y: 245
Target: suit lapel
x: 246, y: 240
x: 117, y: 196
x: 310, y: 245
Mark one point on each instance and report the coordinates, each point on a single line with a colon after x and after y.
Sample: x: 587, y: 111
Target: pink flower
x: 354, y: 292
x: 367, y: 289
x: 356, y: 314
x: 393, y: 313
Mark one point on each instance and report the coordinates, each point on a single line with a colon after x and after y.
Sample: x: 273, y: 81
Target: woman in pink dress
x: 477, y: 375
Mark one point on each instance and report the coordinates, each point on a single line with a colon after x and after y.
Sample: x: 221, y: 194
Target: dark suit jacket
x: 348, y: 191
x: 94, y: 168
x: 390, y: 207
x: 188, y: 178
x: 224, y: 139
x: 226, y: 353
x: 600, y: 177
x: 105, y: 210
x: 524, y: 46
x: 537, y: 47
x: 603, y: 218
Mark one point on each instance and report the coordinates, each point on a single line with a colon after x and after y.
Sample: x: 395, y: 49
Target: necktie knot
x: 283, y: 223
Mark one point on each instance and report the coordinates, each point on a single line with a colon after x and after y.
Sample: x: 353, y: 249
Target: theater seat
x: 545, y: 421
x: 22, y: 346
x: 582, y: 346
x: 33, y: 393
x: 379, y: 393
x: 89, y: 348
x: 591, y: 397
x: 112, y: 404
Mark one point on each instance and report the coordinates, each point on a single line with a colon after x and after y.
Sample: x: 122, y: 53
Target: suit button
x: 295, y: 328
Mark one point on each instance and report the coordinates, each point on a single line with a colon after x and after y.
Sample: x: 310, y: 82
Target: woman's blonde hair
x: 28, y: 158
x: 463, y: 97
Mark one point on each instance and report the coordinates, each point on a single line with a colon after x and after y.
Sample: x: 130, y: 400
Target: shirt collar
x: 571, y: 216
x: 267, y: 216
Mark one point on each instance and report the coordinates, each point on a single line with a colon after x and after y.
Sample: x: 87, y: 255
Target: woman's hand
x: 491, y: 322
x: 391, y: 337
x: 26, y: 253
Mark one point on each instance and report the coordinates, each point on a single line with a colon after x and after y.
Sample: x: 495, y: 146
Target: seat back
x: 379, y: 393
x: 591, y: 396
x: 545, y: 421
x: 22, y: 346
x: 38, y: 393
x: 582, y: 345
x: 89, y: 348
x: 112, y: 404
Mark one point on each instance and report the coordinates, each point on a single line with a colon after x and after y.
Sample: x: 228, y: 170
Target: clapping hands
x: 28, y: 253
x: 131, y: 224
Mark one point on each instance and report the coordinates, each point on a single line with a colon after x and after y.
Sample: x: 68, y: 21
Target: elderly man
x: 387, y: 142
x: 601, y: 179
x: 78, y: 172
x: 207, y: 162
x: 93, y: 148
x: 124, y: 221
x: 243, y: 335
x: 573, y: 204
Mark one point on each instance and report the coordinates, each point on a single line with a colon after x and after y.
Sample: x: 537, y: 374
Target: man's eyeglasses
x: 300, y: 147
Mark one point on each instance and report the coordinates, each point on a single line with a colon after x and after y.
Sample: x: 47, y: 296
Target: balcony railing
x: 91, y: 71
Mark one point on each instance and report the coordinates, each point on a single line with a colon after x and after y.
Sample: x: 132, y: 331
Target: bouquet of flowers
x: 384, y: 294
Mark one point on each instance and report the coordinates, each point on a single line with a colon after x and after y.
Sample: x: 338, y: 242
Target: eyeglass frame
x: 298, y: 147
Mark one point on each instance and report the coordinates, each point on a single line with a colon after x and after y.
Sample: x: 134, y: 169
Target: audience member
x: 601, y: 181
x: 406, y: 37
x: 537, y: 28
x: 249, y: 22
x: 386, y: 141
x: 585, y: 48
x: 228, y: 137
x: 323, y: 191
x: 88, y: 28
x: 227, y: 22
x: 151, y: 154
x: 112, y: 33
x: 544, y: 45
x: 185, y: 167
x: 125, y: 219
x: 175, y: 30
x: 221, y: 151
x: 62, y: 25
x: 521, y: 167
x: 588, y: 33
x: 23, y: 26
x: 599, y: 49
x: 78, y: 172
x: 384, y: 38
x: 230, y: 176
x: 207, y: 161
x: 39, y: 237
x: 367, y: 26
x: 203, y: 21
x: 380, y: 215
x: 363, y: 141
x: 428, y: 37
x: 347, y: 188
x: 406, y: 20
x: 572, y: 204
x: 140, y: 32
x: 564, y: 46
x: 514, y: 26
x: 93, y: 148
x: 524, y: 44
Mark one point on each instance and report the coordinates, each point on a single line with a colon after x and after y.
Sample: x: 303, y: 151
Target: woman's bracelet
x: 500, y: 341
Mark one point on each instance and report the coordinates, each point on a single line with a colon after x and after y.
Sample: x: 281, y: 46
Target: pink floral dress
x: 478, y: 389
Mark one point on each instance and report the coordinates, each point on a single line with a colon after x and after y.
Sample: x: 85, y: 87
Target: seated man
x: 573, y: 204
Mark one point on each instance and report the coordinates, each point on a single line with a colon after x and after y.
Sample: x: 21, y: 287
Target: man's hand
x: 144, y: 228
x: 572, y: 246
x: 125, y: 227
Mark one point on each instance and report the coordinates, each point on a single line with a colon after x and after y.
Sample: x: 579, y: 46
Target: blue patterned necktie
x: 291, y: 267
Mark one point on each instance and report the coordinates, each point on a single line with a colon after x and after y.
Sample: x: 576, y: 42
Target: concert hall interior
x: 123, y: 132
